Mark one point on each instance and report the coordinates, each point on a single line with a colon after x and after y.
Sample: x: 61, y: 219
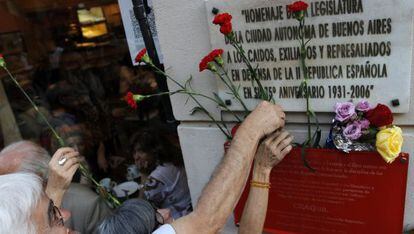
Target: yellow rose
x: 389, y: 143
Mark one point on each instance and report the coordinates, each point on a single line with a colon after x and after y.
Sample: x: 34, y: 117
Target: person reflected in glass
x: 162, y: 165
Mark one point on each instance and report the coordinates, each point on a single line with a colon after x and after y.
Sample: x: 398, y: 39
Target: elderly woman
x: 26, y: 156
x: 166, y: 185
x: 25, y: 208
x: 134, y: 216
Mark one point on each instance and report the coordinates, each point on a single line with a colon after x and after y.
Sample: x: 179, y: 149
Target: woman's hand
x: 62, y: 167
x: 272, y: 150
x: 265, y: 119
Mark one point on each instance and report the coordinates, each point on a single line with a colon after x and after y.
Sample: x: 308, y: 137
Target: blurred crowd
x: 83, y: 100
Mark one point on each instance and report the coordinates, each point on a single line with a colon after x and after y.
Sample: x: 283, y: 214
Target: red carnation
x: 380, y: 116
x: 215, y: 53
x: 140, y: 55
x: 204, y: 63
x: 297, y: 6
x: 234, y: 129
x: 223, y: 18
x: 216, y: 56
x: 129, y: 98
x: 2, y: 62
x: 226, y: 28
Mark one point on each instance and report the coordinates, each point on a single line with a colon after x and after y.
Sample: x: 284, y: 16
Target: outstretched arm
x: 222, y: 192
x: 270, y: 152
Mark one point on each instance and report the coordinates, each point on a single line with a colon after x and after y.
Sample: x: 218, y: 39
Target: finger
x: 71, y: 171
x: 285, y: 151
x: 284, y: 134
x: 287, y: 141
x: 71, y: 155
x: 271, y: 137
x: 64, y: 150
x: 70, y: 162
x: 281, y: 115
x: 60, y: 152
x: 275, y: 135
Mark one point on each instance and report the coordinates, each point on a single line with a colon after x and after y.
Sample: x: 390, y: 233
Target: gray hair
x: 133, y: 216
x: 20, y: 193
x: 35, y: 159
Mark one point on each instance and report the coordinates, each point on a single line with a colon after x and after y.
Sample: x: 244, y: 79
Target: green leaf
x: 315, y: 118
x: 186, y: 101
x: 188, y: 82
x: 305, y: 161
x: 195, y: 109
x: 317, y: 138
x: 218, y: 99
x: 317, y: 135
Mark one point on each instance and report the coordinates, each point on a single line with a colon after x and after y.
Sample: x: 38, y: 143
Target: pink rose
x: 344, y: 111
x: 363, y: 123
x: 363, y: 106
x: 352, y: 131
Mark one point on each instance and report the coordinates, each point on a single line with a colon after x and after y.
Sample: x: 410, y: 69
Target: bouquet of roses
x: 363, y: 128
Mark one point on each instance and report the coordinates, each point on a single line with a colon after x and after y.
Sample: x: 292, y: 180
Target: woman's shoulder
x: 166, y: 170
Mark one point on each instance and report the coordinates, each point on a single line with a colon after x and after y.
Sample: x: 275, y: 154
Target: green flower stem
x: 227, y: 134
x: 60, y: 140
x: 82, y: 167
x: 212, y: 99
x: 305, y: 76
x: 227, y: 81
x: 239, y: 48
x: 86, y: 173
x: 196, y: 94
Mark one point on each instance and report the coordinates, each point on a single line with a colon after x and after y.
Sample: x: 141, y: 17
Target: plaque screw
x: 395, y: 102
x: 403, y: 158
x: 215, y: 10
x: 227, y: 102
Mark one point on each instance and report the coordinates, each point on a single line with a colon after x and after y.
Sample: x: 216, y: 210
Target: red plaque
x: 349, y: 193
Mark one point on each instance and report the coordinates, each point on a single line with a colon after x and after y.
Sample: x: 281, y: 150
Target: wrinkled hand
x: 265, y: 119
x: 60, y: 176
x: 273, y: 149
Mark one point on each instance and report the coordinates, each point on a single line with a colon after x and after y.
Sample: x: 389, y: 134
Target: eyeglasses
x: 54, y: 215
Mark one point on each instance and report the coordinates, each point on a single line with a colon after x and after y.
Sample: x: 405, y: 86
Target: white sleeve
x: 165, y: 229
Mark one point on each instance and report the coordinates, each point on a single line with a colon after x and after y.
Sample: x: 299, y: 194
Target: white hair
x: 133, y: 216
x: 35, y: 159
x: 20, y: 193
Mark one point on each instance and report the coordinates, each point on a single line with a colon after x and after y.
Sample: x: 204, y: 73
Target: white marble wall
x: 184, y: 38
